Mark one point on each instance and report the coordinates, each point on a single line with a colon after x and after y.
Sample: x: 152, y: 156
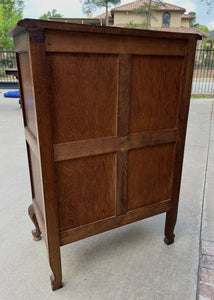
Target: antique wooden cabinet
x: 105, y: 113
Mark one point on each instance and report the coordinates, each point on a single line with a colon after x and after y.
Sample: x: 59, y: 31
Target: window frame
x: 166, y: 13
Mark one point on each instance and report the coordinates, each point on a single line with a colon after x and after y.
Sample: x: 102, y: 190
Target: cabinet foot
x: 55, y: 284
x: 169, y: 240
x: 171, y: 218
x: 36, y: 232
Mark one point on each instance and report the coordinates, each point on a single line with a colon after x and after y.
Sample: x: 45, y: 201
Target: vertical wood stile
x: 184, y: 101
x: 123, y: 130
x: 45, y: 139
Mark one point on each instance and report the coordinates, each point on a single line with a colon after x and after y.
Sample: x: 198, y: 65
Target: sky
x: 73, y: 9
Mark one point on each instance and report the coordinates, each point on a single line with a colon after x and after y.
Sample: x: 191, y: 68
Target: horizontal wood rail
x: 85, y: 231
x: 59, y: 41
x: 32, y: 142
x: 72, y: 150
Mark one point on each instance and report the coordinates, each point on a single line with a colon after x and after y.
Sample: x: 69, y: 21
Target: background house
x: 167, y: 17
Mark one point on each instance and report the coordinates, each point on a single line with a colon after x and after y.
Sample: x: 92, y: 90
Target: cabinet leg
x: 171, y: 218
x: 36, y: 232
x: 55, y: 264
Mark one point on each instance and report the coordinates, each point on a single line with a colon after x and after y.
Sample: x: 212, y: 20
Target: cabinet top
x: 32, y: 24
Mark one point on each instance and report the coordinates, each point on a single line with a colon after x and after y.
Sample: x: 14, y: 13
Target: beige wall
x: 175, y: 19
x: 185, y: 22
x: 126, y: 17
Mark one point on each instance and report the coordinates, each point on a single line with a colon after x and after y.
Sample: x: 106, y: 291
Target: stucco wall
x: 126, y: 17
x: 185, y: 22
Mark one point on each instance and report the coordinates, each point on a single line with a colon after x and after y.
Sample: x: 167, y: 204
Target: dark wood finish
x: 83, y: 115
x: 32, y: 142
x: 83, y: 148
x: 150, y: 175
x: 45, y: 138
x: 105, y: 112
x: 154, y: 79
x: 60, y: 42
x: 181, y: 124
x: 83, y: 232
x: 90, y: 194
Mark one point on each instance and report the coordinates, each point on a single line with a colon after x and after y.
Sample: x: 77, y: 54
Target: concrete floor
x: 131, y: 262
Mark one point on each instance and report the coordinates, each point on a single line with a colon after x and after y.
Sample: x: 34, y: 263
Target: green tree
x: 149, y: 9
x: 92, y: 5
x: 202, y: 27
x: 11, y: 11
x: 131, y: 24
x: 51, y: 14
x: 193, y: 15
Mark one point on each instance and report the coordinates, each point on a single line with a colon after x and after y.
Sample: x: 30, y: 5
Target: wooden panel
x: 154, y: 93
x: 21, y: 42
x: 85, y: 231
x: 123, y: 130
x: 27, y: 92
x: 83, y: 89
x: 46, y: 25
x: 181, y: 124
x: 124, y: 94
x: 86, y: 190
x: 36, y: 181
x: 150, y: 175
x: 46, y: 154
x: 32, y: 142
x: 122, y: 182
x: 59, y: 41
x: 79, y: 149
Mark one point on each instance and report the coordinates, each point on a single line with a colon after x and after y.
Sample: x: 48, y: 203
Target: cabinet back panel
x: 83, y: 89
x: 150, y: 175
x: 154, y: 92
x: 86, y: 189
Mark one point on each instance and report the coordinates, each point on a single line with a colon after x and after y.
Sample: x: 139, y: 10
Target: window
x: 166, y: 19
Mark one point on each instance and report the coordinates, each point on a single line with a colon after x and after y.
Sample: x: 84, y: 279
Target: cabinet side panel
x: 154, y: 92
x: 36, y: 181
x: 150, y: 175
x: 27, y: 92
x: 83, y: 89
x: 86, y: 190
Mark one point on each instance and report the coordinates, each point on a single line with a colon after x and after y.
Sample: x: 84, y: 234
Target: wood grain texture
x: 124, y: 80
x: 88, y: 107
x: 150, y: 175
x: 36, y: 181
x: 122, y: 182
x: 41, y: 24
x: 27, y: 92
x: 45, y: 137
x: 154, y: 92
x: 90, y: 194
x: 72, y: 235
x: 125, y: 64
x: 21, y: 42
x: 109, y: 122
x: 32, y: 142
x: 181, y: 124
x: 72, y: 150
x: 98, y: 43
